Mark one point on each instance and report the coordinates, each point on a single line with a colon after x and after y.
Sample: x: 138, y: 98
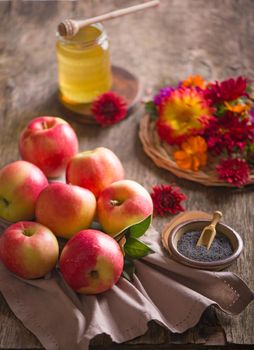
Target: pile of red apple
x: 95, y: 190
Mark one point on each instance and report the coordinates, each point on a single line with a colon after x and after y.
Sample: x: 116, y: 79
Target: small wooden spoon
x: 209, y: 232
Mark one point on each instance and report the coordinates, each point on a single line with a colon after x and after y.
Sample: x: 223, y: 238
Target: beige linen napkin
x: 163, y: 290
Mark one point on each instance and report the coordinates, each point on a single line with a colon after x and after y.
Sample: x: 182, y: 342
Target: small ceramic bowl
x: 198, y: 225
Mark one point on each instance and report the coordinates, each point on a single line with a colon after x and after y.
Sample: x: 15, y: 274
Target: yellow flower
x: 193, y: 154
x: 185, y: 112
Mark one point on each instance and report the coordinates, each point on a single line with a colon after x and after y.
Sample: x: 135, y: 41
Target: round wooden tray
x: 161, y: 154
x: 125, y: 84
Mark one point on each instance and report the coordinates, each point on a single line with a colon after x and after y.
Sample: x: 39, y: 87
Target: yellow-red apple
x: 20, y: 185
x: 28, y: 249
x: 91, y: 262
x: 94, y: 170
x: 123, y: 204
x: 49, y: 143
x: 65, y: 209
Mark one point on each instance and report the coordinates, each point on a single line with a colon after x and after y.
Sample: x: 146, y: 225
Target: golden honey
x: 84, y: 70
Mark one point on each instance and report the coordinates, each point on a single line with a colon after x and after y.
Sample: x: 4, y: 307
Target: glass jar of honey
x: 84, y: 69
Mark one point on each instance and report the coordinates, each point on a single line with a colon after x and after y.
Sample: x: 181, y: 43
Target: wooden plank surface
x: 213, y: 38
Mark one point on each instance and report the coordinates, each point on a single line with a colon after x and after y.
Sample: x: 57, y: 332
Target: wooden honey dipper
x: 70, y: 27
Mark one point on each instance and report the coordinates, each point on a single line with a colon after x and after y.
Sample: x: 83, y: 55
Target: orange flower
x: 194, y: 81
x: 193, y: 154
x: 239, y: 108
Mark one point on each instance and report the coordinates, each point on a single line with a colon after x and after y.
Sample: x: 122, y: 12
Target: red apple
x: 65, y: 209
x: 29, y: 249
x: 91, y: 262
x: 20, y: 185
x: 49, y: 143
x: 123, y: 204
x: 94, y: 170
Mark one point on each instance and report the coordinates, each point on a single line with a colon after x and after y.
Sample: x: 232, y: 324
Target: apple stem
x: 44, y: 125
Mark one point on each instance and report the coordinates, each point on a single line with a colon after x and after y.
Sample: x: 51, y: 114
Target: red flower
x: 109, y: 108
x: 227, y: 90
x: 234, y: 171
x: 229, y: 132
x: 167, y: 199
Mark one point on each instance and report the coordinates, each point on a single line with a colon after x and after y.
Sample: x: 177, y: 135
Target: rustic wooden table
x: 213, y: 38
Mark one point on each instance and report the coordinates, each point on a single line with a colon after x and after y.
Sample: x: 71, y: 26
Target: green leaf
x: 136, y: 249
x: 140, y: 228
x: 151, y: 110
x: 128, y: 269
x: 220, y: 110
x: 249, y: 89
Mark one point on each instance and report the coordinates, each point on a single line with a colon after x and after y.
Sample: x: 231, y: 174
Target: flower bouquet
x: 202, y: 131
